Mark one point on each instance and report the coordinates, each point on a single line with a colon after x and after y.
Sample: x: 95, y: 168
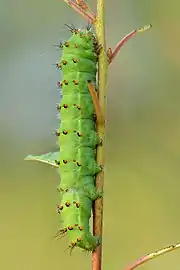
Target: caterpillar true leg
x: 100, y: 118
x: 98, y: 49
x: 95, y: 195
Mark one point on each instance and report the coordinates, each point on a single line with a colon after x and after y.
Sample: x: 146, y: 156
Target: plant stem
x: 102, y: 84
x: 151, y: 256
x: 125, y: 39
x: 87, y: 15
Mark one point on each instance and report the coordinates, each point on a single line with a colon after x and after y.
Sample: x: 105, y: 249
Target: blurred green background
x: 141, y: 202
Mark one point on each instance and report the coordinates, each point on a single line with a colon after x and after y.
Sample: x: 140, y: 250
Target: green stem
x: 102, y: 84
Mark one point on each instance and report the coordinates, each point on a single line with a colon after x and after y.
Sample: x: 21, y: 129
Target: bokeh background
x: 142, y: 197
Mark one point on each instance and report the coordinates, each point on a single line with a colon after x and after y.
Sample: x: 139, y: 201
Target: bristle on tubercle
x: 59, y: 46
x: 60, y: 234
x: 89, y: 27
x: 70, y: 27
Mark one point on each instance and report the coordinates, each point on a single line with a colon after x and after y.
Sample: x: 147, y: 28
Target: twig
x: 151, y: 256
x: 102, y: 84
x: 88, y: 15
x: 112, y: 55
x: 98, y: 110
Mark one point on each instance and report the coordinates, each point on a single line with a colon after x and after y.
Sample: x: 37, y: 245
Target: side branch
x: 112, y: 54
x: 97, y: 106
x: 81, y: 8
x: 151, y: 256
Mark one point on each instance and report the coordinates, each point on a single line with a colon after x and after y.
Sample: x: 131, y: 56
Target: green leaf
x: 48, y: 158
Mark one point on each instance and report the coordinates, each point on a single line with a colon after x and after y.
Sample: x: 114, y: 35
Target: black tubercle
x: 64, y: 62
x: 66, y: 44
x: 79, y: 134
x: 67, y: 204
x: 65, y: 82
x: 75, y: 60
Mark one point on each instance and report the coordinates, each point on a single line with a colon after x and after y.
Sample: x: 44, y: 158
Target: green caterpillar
x: 77, y: 139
